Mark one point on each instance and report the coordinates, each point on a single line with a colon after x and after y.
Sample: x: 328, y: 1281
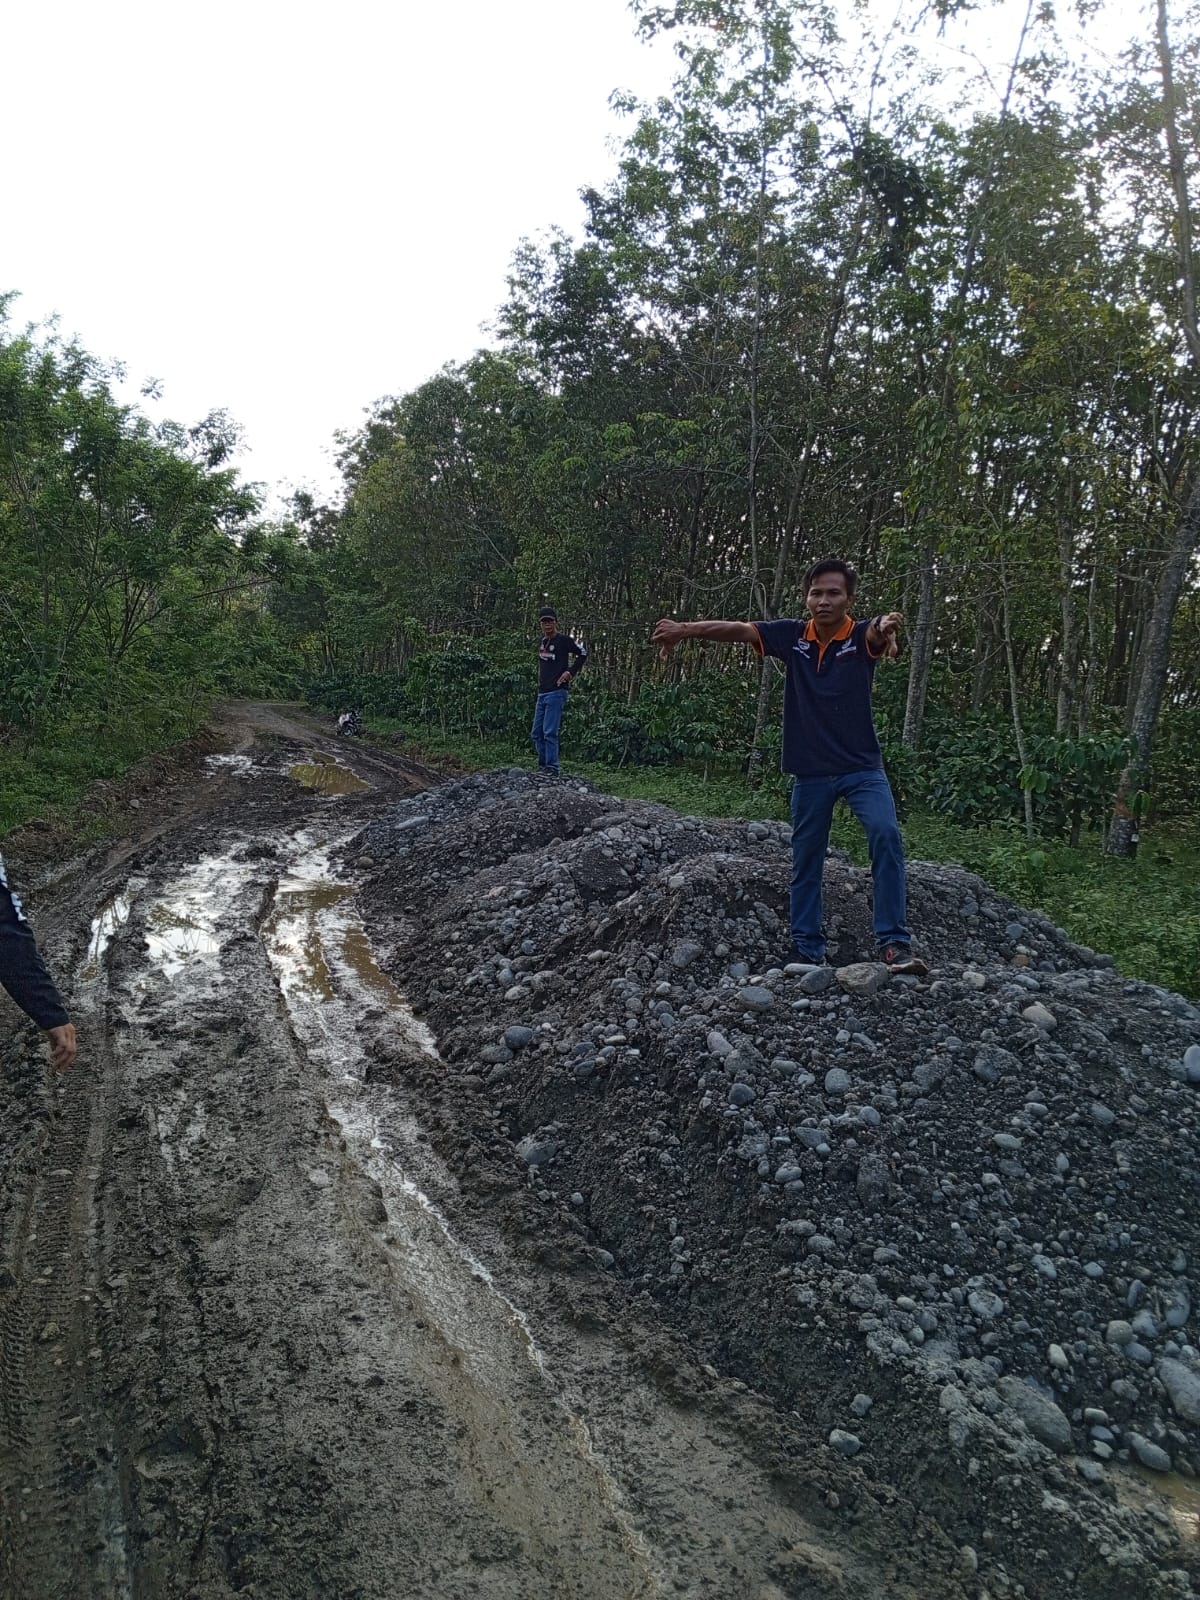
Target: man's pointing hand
x: 667, y: 634
x: 889, y: 626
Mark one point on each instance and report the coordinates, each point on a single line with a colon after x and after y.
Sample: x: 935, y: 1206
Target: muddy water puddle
x: 315, y: 944
x: 108, y: 921
x: 327, y: 777
x: 294, y: 937
x: 239, y: 765
x: 1177, y: 1495
x: 173, y: 936
x: 181, y: 927
x: 188, y: 922
x: 329, y: 977
x: 415, y: 1221
x: 328, y: 972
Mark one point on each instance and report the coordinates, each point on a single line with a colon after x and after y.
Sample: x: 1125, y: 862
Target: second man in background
x: 556, y: 653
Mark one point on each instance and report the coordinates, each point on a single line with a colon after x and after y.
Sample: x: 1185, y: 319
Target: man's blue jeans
x: 869, y: 796
x: 547, y: 720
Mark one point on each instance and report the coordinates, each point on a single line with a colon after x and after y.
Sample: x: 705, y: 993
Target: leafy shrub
x: 1073, y: 780
x: 972, y: 777
x: 975, y: 777
x: 376, y: 694
x: 1176, y: 764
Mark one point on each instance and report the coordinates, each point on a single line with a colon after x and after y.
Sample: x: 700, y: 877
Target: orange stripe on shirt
x: 843, y: 633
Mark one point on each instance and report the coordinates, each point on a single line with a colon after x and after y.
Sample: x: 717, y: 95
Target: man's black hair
x: 819, y: 568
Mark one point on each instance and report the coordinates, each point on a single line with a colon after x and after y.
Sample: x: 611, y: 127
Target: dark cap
x: 547, y: 614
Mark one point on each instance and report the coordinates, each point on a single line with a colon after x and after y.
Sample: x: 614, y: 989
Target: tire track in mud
x: 273, y: 1368
x: 57, y: 1468
x: 528, y: 1455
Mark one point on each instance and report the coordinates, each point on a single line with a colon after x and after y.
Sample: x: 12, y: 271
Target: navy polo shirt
x: 827, y: 725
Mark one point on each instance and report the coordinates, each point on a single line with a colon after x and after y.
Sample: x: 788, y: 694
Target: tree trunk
x: 1015, y: 701
x: 981, y: 662
x: 1070, y: 641
x: 922, y: 650
x: 1152, y: 679
x: 1137, y: 638
x: 1088, y: 699
x: 767, y: 672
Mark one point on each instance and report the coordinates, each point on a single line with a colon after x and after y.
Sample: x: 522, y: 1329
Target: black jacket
x: 554, y: 658
x: 22, y: 970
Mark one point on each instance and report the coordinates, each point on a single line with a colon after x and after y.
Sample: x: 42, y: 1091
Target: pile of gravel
x: 949, y: 1221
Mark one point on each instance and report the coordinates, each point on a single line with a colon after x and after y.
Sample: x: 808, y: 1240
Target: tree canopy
x: 829, y: 304
x: 836, y: 299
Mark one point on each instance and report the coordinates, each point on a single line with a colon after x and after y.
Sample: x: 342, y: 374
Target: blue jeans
x: 869, y: 796
x: 547, y: 720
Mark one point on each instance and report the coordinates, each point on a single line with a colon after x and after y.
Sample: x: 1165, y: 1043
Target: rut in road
x: 243, y: 1351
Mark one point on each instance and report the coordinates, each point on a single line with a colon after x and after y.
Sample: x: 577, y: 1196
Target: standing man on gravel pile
x: 23, y: 973
x: 556, y: 651
x: 830, y: 747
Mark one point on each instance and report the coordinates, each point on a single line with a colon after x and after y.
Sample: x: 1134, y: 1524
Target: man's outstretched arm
x: 668, y: 633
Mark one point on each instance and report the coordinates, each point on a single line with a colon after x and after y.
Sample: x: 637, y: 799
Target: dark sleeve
x: 22, y: 971
x: 778, y: 638
x: 579, y: 654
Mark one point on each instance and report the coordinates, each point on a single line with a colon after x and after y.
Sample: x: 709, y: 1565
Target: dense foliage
x: 133, y: 575
x: 824, y: 307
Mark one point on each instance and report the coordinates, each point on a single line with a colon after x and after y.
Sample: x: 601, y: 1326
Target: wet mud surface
x: 281, y: 1312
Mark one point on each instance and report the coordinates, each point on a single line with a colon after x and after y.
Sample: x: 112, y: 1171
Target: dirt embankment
x: 282, y: 1312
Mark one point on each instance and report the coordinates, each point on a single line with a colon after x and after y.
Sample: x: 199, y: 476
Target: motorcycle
x: 349, y: 724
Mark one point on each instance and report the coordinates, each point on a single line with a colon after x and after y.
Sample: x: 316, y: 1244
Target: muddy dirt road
x: 254, y: 1337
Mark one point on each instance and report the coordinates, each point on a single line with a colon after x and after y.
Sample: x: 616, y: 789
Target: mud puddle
x: 484, y: 1360
x: 182, y: 923
x: 108, y: 921
x: 313, y: 939
x: 328, y: 975
x: 327, y: 777
x: 239, y: 765
x: 1178, y: 1496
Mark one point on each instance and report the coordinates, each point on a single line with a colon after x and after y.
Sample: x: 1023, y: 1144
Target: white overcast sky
x: 288, y: 210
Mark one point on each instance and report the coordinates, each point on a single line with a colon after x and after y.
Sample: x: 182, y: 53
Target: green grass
x: 48, y: 785
x: 49, y: 782
x: 1144, y: 912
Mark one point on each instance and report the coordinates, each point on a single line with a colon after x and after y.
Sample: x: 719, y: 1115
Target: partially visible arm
x: 668, y: 633
x: 578, y: 654
x: 23, y: 973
